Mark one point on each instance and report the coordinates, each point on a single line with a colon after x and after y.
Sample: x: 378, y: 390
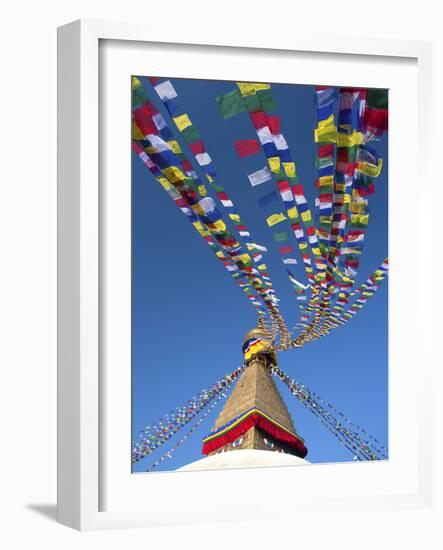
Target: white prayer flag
x: 165, y: 90
x: 259, y: 177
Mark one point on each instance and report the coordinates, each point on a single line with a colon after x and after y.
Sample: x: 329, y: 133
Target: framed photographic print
x: 228, y: 216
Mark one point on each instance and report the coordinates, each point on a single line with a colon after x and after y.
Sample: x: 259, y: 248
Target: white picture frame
x: 82, y: 395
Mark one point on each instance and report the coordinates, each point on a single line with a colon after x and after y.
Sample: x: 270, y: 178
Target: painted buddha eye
x: 237, y: 442
x: 268, y: 443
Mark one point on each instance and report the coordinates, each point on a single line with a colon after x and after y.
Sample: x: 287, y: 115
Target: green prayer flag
x: 231, y: 104
x: 190, y: 134
x: 378, y: 99
x: 266, y: 100
x: 252, y: 103
x: 279, y: 237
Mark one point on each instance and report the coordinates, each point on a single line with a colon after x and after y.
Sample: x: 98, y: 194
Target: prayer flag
x: 247, y: 147
x: 260, y: 176
x: 274, y: 164
x: 165, y: 90
x: 231, y: 104
x: 267, y: 199
x: 283, y: 250
x: 326, y: 131
x: 280, y: 237
x: 250, y: 88
x: 274, y: 219
x: 274, y: 124
x: 182, y: 122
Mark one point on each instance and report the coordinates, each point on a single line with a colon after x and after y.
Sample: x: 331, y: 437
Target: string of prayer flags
x: 138, y: 93
x: 183, y: 123
x: 375, y: 114
x: 353, y: 437
x: 281, y: 165
x: 325, y: 100
x: 330, y: 246
x: 339, y: 315
x: 209, y: 221
x: 152, y: 436
x: 170, y: 452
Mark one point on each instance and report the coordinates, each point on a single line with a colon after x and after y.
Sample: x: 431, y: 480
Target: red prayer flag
x: 187, y: 166
x: 197, y: 148
x: 274, y: 124
x: 247, y: 147
x: 376, y: 120
x: 310, y: 230
x: 283, y: 185
x: 285, y: 250
x: 259, y: 119
x: 326, y: 150
x: 297, y: 189
x: 144, y: 121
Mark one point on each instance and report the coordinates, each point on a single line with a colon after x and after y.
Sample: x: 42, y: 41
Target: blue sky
x: 189, y: 317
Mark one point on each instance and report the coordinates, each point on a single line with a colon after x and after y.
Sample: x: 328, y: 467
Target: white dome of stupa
x: 244, y: 458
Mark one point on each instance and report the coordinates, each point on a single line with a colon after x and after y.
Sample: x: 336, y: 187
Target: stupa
x: 254, y: 427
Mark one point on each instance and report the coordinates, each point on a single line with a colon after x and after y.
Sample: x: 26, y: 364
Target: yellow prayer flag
x: 275, y: 219
x: 326, y: 131
x: 218, y: 225
x: 235, y: 217
x: 292, y: 213
x: 306, y: 216
x: 202, y: 190
x: 360, y: 219
x: 358, y: 207
x: 325, y: 181
x: 198, y: 209
x: 250, y: 88
x: 370, y: 169
x: 182, y: 122
x: 173, y: 174
x: 135, y: 83
x: 274, y: 164
x: 200, y: 228
x: 262, y: 267
x: 244, y: 258
x: 136, y: 132
x: 165, y: 183
x: 220, y: 254
x: 347, y: 198
x: 289, y: 168
x: 349, y: 140
x: 174, y: 145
